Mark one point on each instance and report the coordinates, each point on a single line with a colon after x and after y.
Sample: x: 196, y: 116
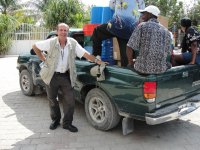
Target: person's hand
x: 99, y: 62
x: 131, y: 64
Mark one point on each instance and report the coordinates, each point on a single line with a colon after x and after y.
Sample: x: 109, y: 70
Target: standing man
x: 153, y: 42
x: 190, y: 44
x: 121, y: 26
x: 59, y: 72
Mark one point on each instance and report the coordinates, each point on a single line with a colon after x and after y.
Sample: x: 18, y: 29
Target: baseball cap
x: 151, y: 9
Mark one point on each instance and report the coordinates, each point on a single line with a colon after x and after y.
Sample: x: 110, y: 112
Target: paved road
x: 24, y: 125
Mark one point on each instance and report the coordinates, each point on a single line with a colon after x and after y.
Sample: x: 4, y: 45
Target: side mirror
x: 32, y: 52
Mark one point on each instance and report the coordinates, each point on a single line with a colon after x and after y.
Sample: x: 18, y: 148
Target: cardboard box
x: 164, y: 21
x: 116, y: 51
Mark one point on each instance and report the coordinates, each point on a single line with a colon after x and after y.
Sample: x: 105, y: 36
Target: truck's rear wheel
x: 26, y: 83
x: 100, y: 111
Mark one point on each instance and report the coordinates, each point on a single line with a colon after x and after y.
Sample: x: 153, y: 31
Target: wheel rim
x: 25, y: 83
x: 97, y: 109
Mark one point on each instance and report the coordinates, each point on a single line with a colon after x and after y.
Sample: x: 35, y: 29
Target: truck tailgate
x: 178, y: 83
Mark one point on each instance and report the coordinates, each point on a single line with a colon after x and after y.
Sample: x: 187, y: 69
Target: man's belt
x: 60, y: 73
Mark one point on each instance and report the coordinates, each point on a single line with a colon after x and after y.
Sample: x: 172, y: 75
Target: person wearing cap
x: 190, y: 44
x: 121, y: 26
x: 153, y: 43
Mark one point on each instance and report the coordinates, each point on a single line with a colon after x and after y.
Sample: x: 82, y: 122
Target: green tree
x: 194, y: 13
x: 67, y: 11
x: 169, y: 8
x: 39, y: 4
x: 7, y: 25
x: 8, y: 6
x: 22, y: 16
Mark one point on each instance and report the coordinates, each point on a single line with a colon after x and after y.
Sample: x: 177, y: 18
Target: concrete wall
x: 21, y: 47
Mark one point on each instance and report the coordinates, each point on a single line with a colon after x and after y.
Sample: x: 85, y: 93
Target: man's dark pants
x: 101, y: 33
x: 62, y: 82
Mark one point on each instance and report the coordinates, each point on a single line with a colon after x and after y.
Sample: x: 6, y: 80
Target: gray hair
x: 62, y: 24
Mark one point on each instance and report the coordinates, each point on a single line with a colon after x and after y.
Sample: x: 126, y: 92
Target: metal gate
x: 24, y: 37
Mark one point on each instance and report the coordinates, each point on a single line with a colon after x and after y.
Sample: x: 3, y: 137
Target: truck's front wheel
x: 100, y: 111
x: 26, y: 83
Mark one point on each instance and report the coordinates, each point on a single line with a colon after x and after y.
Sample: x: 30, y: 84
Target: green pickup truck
x: 124, y: 93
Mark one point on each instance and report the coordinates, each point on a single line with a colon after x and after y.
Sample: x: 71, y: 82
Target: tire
x: 100, y: 111
x: 26, y: 83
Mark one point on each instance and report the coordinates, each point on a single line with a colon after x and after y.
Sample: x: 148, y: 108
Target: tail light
x: 149, y: 90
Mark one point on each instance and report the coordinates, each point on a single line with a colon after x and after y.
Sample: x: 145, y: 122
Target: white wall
x: 21, y: 47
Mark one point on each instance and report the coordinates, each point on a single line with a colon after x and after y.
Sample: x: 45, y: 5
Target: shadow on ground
x: 33, y: 121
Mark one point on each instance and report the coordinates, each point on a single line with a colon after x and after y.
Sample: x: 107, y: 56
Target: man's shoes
x: 71, y: 128
x: 54, y: 125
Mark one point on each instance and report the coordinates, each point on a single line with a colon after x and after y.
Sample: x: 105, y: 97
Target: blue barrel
x: 96, y: 15
x: 107, y: 51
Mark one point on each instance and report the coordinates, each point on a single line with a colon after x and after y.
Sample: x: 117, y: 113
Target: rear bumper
x: 173, y: 112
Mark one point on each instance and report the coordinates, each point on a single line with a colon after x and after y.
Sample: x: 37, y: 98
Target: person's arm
x: 133, y: 44
x: 194, y: 47
x: 92, y: 58
x: 39, y: 53
x: 129, y: 53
